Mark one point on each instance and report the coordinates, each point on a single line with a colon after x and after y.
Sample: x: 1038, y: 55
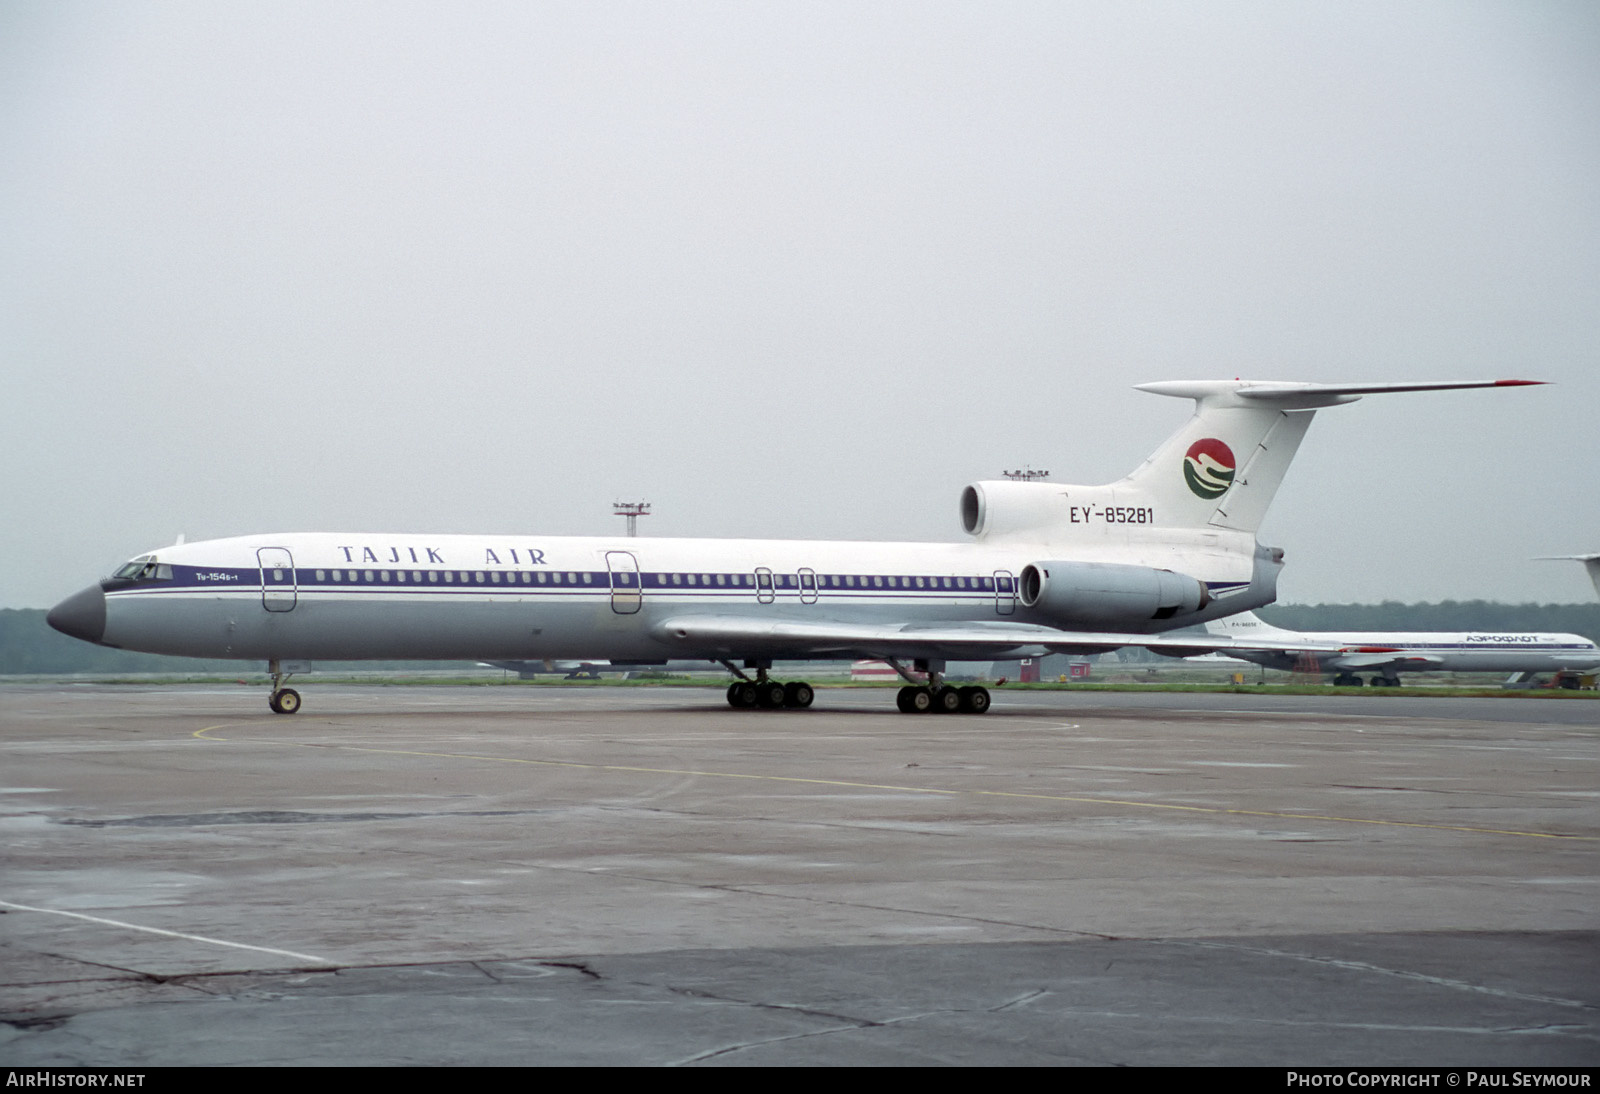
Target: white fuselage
x: 359, y: 596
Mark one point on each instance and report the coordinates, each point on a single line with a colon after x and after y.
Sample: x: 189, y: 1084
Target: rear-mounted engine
x: 1107, y: 594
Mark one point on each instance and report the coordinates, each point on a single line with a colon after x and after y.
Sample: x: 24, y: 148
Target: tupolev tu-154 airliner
x: 1048, y: 568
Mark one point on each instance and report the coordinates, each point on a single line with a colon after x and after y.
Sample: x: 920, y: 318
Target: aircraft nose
x: 81, y: 615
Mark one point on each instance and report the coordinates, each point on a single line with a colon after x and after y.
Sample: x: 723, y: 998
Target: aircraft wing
x: 1414, y: 661
x: 736, y: 636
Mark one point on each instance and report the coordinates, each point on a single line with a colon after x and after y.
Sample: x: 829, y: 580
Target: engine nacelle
x: 1108, y: 594
x: 1001, y: 507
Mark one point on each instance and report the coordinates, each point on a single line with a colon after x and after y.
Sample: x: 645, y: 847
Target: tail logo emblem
x: 1208, y: 468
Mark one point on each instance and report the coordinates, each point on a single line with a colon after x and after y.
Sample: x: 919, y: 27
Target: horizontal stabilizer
x: 1288, y: 395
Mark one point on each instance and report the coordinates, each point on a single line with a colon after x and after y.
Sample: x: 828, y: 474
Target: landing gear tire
x: 284, y: 701
x: 974, y: 700
x: 1347, y: 680
x: 798, y: 694
x: 947, y: 701
x: 769, y: 695
x: 742, y: 695
x: 1385, y: 681
x: 914, y: 700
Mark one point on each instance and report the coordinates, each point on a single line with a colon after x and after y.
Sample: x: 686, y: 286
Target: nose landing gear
x: 282, y: 700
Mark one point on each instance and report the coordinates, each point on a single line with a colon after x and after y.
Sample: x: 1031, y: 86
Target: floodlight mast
x: 633, y: 510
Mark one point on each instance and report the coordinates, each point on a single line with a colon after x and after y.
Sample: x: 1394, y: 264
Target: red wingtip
x: 1520, y: 383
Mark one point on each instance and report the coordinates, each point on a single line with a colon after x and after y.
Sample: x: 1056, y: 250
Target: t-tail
x: 1174, y: 543
x: 1219, y: 471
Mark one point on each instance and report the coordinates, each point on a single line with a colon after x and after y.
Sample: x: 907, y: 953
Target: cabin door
x: 1005, y: 592
x: 277, y: 579
x: 627, y: 594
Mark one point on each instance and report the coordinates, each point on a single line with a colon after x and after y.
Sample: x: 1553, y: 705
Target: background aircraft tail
x: 1590, y: 563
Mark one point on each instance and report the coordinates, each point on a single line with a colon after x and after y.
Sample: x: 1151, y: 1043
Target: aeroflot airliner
x: 1387, y: 654
x: 1049, y: 568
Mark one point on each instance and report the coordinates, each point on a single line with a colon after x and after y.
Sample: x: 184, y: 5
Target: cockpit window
x: 144, y: 568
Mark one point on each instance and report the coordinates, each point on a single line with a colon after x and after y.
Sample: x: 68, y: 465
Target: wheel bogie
x: 914, y: 700
x: 770, y: 695
x: 798, y: 694
x: 974, y: 700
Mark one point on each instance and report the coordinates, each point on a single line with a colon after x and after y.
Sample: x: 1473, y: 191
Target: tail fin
x: 1590, y: 563
x: 1223, y: 467
x: 1245, y: 625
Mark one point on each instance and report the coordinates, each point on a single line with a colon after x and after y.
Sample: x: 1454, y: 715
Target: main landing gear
x: 937, y: 697
x: 283, y: 700
x: 916, y: 699
x: 1351, y: 680
x: 745, y: 694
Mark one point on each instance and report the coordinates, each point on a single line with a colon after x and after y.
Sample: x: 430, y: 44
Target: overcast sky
x: 790, y: 269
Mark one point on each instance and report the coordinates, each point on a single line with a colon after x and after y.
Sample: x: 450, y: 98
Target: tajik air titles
x: 515, y: 556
